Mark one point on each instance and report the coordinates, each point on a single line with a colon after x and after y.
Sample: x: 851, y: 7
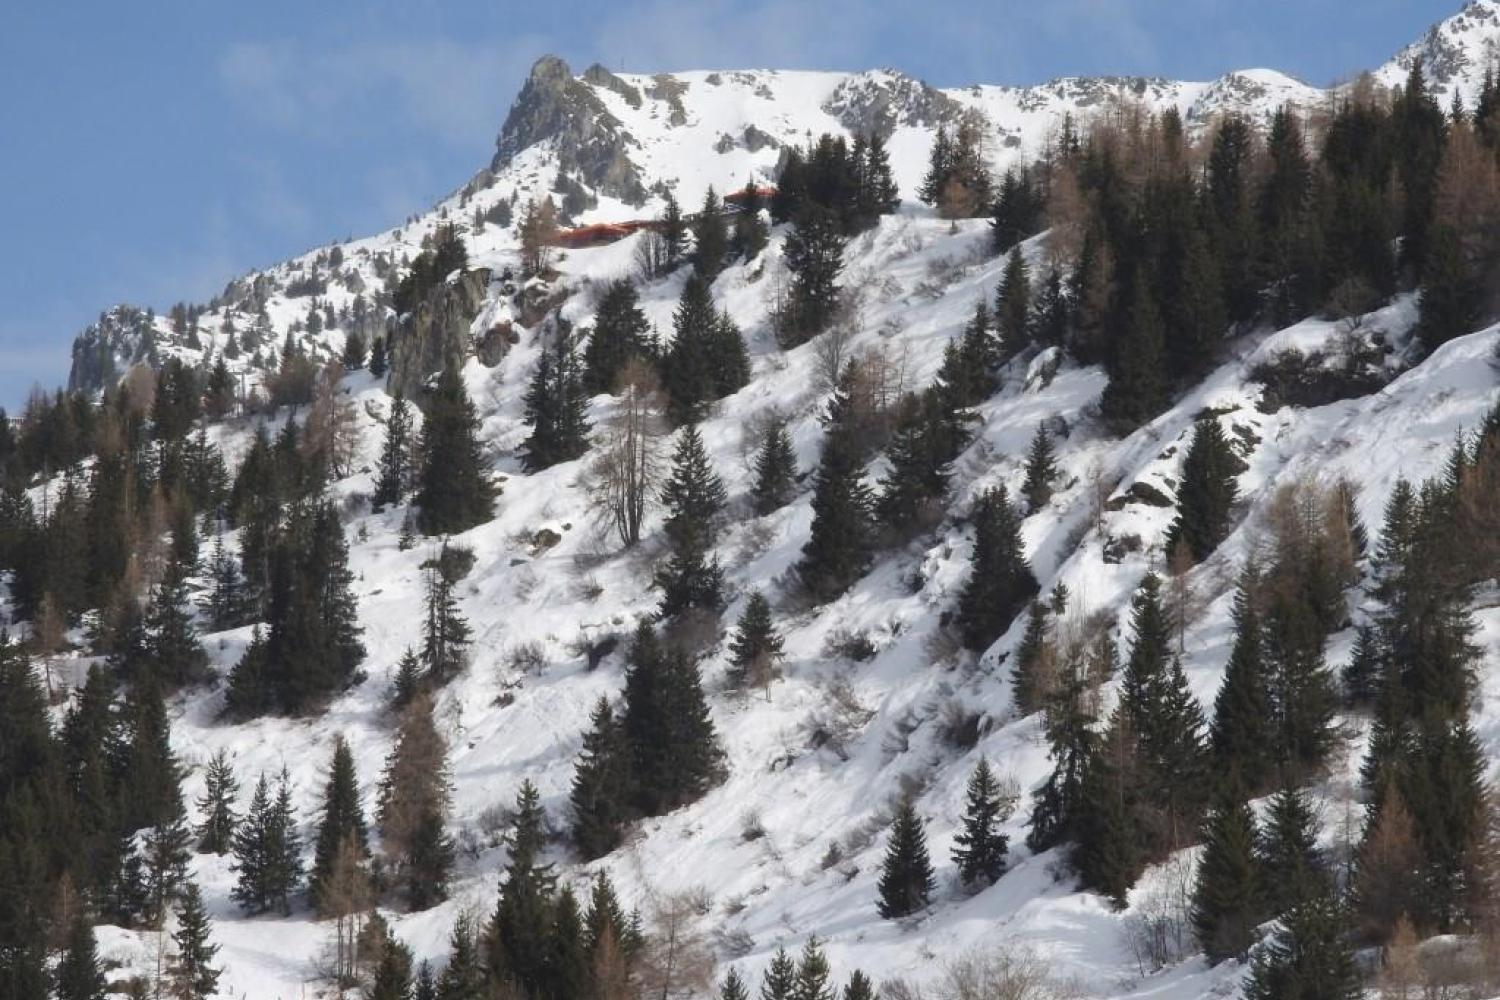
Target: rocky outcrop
x: 105, y: 350
x: 436, y: 333
x: 591, y: 144
x: 878, y: 102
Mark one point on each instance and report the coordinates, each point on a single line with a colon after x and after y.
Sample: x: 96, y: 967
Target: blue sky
x: 150, y: 152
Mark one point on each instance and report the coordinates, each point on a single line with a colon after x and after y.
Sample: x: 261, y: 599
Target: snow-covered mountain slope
x: 790, y: 844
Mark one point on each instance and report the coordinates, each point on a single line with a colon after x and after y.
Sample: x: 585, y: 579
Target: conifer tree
x: 756, y: 646
x: 1001, y: 580
x: 192, y: 974
x: 1207, y: 492
x: 392, y: 978
x: 859, y: 987
x: 1306, y: 957
x: 749, y: 234
x: 906, y: 880
x: 1041, y: 470
x: 454, y: 490
x: 225, y: 605
x: 841, y: 544
x: 155, y: 773
x: 1451, y: 300
x: 601, y: 785
x: 968, y: 371
x: 1013, y: 306
x: 1058, y: 803
x: 621, y: 332
x: 446, y: 635
x: 694, y: 497
x: 814, y: 254
x: 313, y: 647
x: 567, y: 960
x: 464, y: 976
x: 780, y: 977
x: 425, y: 987
x: 1242, y: 736
x: 710, y: 238
x: 687, y: 367
x: 396, y: 455
x: 1228, y: 893
x: 675, y: 755
x: 733, y: 987
x: 1292, y: 871
x: 673, y: 230
x: 379, y: 358
x: 980, y: 854
x: 409, y: 681
x: 775, y: 470
x: 216, y: 830
x: 1031, y: 676
x: 413, y: 804
x: 177, y: 655
x: 813, y: 974
x: 267, y: 850
x: 930, y: 433
x: 1303, y: 695
x: 1018, y: 210
x: 164, y: 858
x: 1107, y: 852
x: 556, y: 409
x: 1136, y: 391
x: 342, y: 822
x: 517, y: 938
x: 79, y: 975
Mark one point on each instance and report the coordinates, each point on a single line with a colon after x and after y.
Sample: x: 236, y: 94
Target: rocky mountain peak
x: 560, y: 110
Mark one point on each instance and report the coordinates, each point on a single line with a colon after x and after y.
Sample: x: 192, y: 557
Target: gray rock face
x: 590, y: 142
x: 877, y: 103
x: 107, y: 349
x: 436, y: 332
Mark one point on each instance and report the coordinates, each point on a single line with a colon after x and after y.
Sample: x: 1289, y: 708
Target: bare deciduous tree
x: 628, y: 466
x: 677, y: 961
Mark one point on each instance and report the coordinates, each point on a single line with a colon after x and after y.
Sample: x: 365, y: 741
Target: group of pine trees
x: 1157, y: 259
x: 657, y: 752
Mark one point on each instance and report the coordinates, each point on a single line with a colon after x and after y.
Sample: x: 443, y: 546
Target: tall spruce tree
x: 446, y: 635
x: 601, y: 792
x: 1207, y: 492
x: 1306, y: 957
x: 454, y: 489
x: 1000, y: 581
x: 756, y: 647
x: 1227, y: 898
x: 1292, y: 869
x: 687, y: 366
x: 694, y: 497
x: 814, y: 254
x: 1242, y: 737
x: 710, y: 238
x: 192, y: 973
x: 220, y: 786
x: 267, y: 850
x: 841, y: 543
x: 621, y: 333
x: 1137, y: 389
x: 675, y: 755
x: 981, y: 847
x: 341, y: 823
x: 517, y: 939
x: 775, y: 470
x: 556, y: 409
x: 1041, y: 470
x: 397, y: 455
x: 79, y: 975
x: 906, y: 879
x: 1013, y: 306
